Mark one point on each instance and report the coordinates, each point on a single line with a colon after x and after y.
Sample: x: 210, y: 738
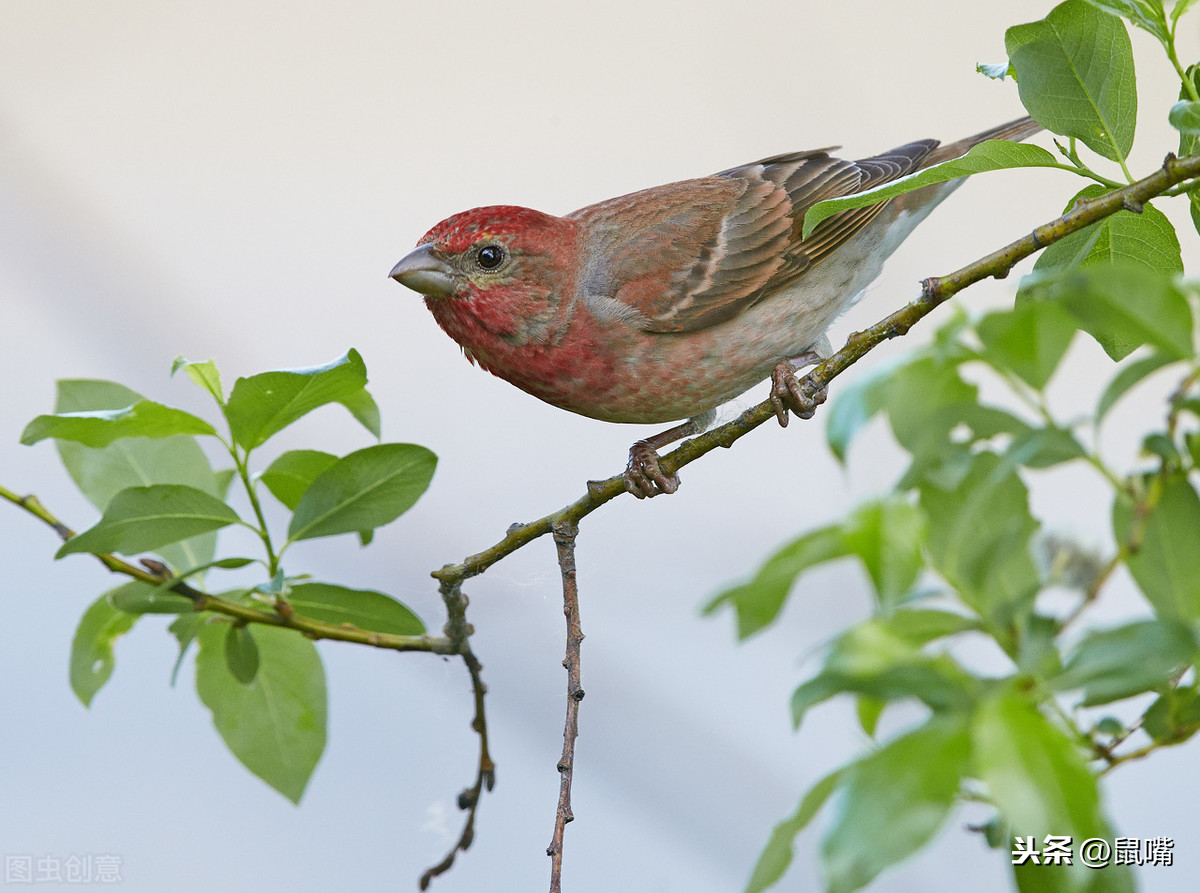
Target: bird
x: 662, y: 305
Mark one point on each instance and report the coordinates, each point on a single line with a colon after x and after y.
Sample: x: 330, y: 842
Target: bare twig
x: 934, y: 291
x: 564, y: 541
x: 459, y: 632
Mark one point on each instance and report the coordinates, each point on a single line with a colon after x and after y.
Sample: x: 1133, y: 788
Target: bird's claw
x: 791, y: 394
x: 644, y: 477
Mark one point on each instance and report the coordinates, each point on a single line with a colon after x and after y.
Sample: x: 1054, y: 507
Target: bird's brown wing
x: 689, y: 255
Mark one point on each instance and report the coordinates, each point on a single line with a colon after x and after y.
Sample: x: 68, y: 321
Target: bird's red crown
x: 458, y: 233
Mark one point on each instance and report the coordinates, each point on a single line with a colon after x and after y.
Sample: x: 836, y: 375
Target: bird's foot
x: 790, y: 393
x: 644, y: 477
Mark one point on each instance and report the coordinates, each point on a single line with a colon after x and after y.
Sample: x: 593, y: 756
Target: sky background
x: 234, y: 180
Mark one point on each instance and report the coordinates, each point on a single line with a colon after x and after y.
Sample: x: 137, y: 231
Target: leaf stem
x: 241, y: 460
x: 1077, y: 166
x: 1189, y: 86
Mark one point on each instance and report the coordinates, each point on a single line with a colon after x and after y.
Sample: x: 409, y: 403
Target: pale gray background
x: 234, y: 180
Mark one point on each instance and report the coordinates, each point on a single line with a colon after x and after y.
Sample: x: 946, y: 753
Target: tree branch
x: 458, y: 631
x: 156, y: 574
x: 564, y: 541
x: 934, y: 291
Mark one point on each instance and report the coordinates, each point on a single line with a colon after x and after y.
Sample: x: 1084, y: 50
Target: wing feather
x: 690, y: 255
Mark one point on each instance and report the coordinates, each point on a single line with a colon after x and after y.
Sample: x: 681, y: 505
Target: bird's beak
x: 424, y: 270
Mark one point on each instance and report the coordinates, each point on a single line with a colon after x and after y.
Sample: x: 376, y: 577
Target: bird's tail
x: 1017, y: 130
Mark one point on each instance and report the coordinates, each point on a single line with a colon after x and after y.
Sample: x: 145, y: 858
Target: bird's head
x: 484, y: 250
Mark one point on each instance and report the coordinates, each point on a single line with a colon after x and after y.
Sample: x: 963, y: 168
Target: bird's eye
x: 490, y: 257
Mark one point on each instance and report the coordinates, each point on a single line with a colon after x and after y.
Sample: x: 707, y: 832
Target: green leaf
x: 241, y: 653
x: 1037, y: 647
x: 879, y: 661
x: 1030, y: 339
x: 134, y: 462
x: 1127, y: 378
x: 854, y: 405
x: 986, y: 422
x: 1160, y: 445
x: 275, y: 725
x: 363, y: 608
x: 1038, y: 879
x: 997, y: 71
x: 1174, y: 717
x: 1185, y: 116
x: 1146, y: 14
x: 894, y: 801
x: 888, y: 536
x: 364, y: 408
x: 1192, y: 441
x: 1123, y: 307
x: 1166, y: 565
x: 1181, y: 7
x: 777, y: 855
x: 364, y: 490
x: 265, y: 404
x: 98, y: 428
x: 293, y: 472
x: 1074, y: 71
x: 185, y: 628
x: 1189, y: 143
x: 142, y: 598
x: 869, y: 710
x: 758, y: 602
x: 1144, y: 240
x: 81, y: 394
x: 816, y: 691
x: 203, y: 374
x: 1118, y: 663
x: 990, y: 155
x: 92, y: 659
x: 979, y: 536
x: 142, y: 518
x: 919, y: 626
x: 926, y: 400
x: 1038, y: 779
x: 224, y: 479
x: 224, y: 563
x: 1043, y: 448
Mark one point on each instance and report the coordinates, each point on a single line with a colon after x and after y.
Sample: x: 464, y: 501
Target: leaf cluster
x: 955, y: 555
x: 142, y: 465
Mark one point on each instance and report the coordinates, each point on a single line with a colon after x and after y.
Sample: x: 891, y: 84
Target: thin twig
x: 934, y: 291
x: 156, y: 574
x: 459, y: 631
x: 564, y: 541
x: 1138, y: 754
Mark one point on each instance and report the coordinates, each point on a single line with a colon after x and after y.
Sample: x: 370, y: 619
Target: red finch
x: 665, y: 303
